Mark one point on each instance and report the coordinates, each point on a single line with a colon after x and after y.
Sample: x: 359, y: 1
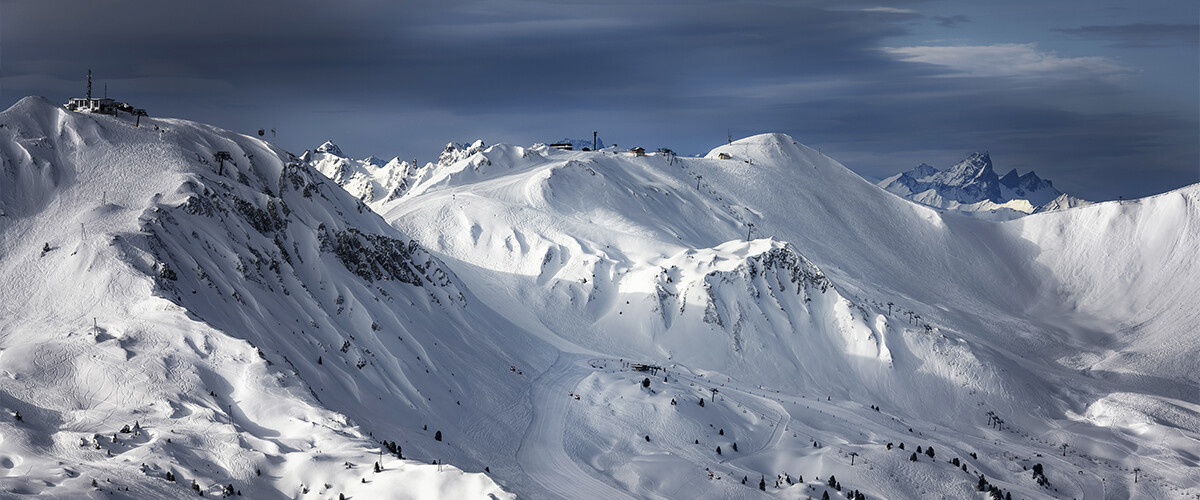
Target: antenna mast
x: 89, y: 94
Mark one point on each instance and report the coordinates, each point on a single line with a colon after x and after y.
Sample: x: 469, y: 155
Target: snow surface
x: 506, y: 293
x: 180, y: 271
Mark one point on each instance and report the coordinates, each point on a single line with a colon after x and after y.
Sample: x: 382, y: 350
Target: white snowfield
x: 267, y: 330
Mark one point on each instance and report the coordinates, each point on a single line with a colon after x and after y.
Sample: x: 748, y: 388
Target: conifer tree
x: 437, y: 436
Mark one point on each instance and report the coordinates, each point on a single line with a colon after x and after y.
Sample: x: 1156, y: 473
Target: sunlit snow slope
x: 1072, y: 327
x: 265, y: 329
x: 246, y: 326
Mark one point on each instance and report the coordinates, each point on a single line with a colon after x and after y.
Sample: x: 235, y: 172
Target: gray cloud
x: 402, y: 78
x: 951, y: 21
x: 1140, y: 35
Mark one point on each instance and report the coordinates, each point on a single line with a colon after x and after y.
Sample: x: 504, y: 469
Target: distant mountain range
x: 972, y: 186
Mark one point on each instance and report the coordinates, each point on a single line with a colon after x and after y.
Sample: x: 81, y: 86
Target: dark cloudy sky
x: 1102, y: 96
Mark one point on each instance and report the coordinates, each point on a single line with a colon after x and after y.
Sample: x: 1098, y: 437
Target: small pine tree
x: 832, y: 480
x: 901, y: 446
x: 437, y: 436
x: 319, y: 360
x: 378, y: 468
x: 825, y: 495
x: 721, y: 432
x: 170, y: 476
x: 745, y: 478
x: 955, y: 461
x: 982, y: 485
x: 718, y: 450
x: 762, y: 483
x: 646, y: 382
x: 735, y: 447
x: 929, y: 451
x: 918, y: 448
x: 913, y: 457
x: 701, y: 401
x: 647, y: 438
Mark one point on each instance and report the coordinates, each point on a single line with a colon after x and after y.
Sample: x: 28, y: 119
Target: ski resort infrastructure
x: 188, y: 310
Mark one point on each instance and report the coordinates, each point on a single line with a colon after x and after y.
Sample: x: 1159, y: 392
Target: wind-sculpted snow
x: 843, y: 292
x: 164, y: 320
x: 573, y: 324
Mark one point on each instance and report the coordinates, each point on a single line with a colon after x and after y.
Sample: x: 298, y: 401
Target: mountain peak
x: 977, y: 165
x: 972, y: 185
x: 330, y: 148
x: 922, y: 171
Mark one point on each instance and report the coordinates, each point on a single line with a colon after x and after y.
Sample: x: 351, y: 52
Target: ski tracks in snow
x: 542, y: 454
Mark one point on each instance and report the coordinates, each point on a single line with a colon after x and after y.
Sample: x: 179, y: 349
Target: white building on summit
x: 102, y: 105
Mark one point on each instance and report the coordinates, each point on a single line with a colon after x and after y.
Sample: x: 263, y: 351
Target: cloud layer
x: 858, y: 79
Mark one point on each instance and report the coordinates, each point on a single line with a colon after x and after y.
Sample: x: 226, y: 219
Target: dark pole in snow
x: 749, y: 228
x: 698, y: 177
x: 594, y: 142
x: 221, y: 156
x: 1135, y: 474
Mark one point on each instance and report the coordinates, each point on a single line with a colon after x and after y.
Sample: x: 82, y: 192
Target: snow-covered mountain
x: 972, y: 186
x: 230, y: 323
x: 571, y: 325
x: 937, y: 317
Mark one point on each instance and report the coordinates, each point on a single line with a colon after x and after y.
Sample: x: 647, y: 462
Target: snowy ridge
x: 972, y: 186
x: 576, y: 324
x: 187, y: 273
x: 637, y: 257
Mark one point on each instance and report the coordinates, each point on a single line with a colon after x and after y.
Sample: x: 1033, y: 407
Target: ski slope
x: 266, y: 329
